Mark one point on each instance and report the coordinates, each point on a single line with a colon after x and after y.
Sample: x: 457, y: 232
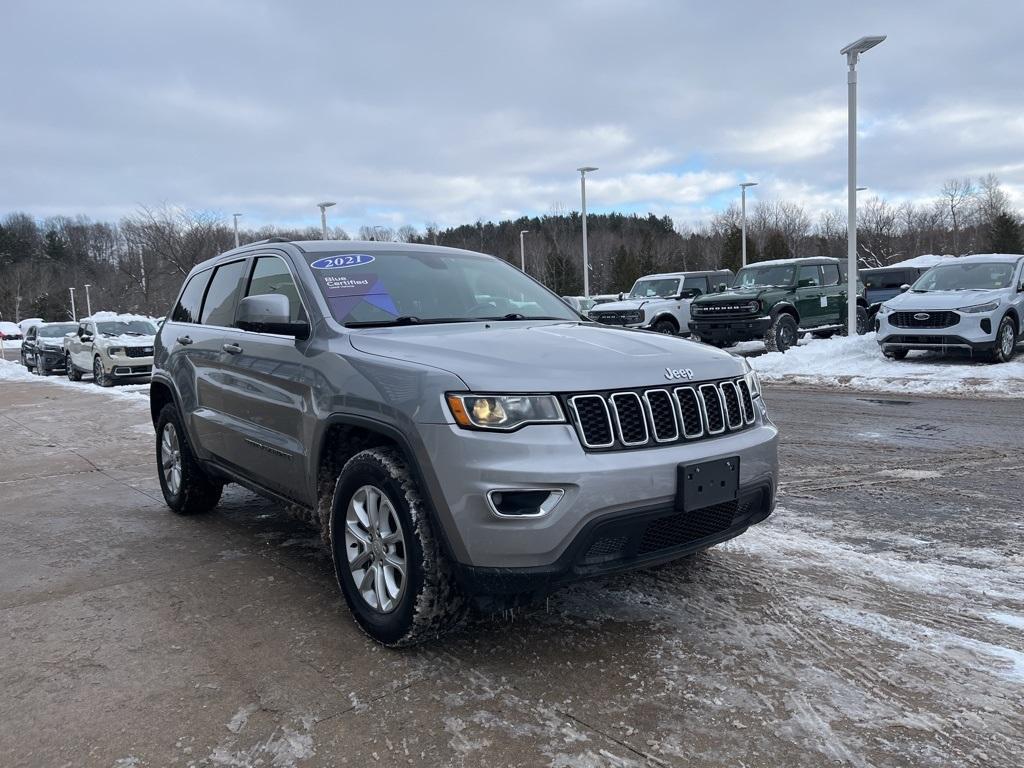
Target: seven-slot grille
x: 936, y: 319
x: 632, y: 419
x: 725, y: 308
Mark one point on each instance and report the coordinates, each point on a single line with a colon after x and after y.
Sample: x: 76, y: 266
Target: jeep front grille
x: 639, y: 418
x: 936, y: 319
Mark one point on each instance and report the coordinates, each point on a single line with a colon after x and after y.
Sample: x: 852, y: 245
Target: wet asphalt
x: 876, y: 619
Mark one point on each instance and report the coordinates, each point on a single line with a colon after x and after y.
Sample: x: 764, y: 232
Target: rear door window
x: 699, y: 285
x: 831, y: 273
x: 187, y: 309
x: 222, y: 295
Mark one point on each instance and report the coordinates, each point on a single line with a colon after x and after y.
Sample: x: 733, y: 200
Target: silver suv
x: 457, y: 433
x: 973, y: 303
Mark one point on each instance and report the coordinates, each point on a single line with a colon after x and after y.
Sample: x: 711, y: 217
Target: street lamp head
x: 863, y: 44
x: 749, y: 184
x: 861, y: 189
x: 524, y: 232
x: 236, y: 214
x: 325, y: 204
x: 586, y: 169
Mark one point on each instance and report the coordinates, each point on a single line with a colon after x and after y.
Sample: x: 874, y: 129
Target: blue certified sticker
x: 340, y: 262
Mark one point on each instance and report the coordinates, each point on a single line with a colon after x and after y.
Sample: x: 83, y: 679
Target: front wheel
x: 1006, y: 341
x: 99, y: 376
x: 665, y: 326
x: 782, y: 334
x: 24, y: 361
x: 862, y: 322
x: 186, y: 488
x: 387, y: 558
x: 73, y: 373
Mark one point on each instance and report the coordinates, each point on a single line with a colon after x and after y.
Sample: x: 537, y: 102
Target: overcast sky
x: 452, y: 112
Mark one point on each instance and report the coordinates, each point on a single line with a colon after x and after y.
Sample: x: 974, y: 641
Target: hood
x: 548, y: 357
x: 736, y: 294
x: 942, y: 299
x: 629, y: 304
x: 125, y: 340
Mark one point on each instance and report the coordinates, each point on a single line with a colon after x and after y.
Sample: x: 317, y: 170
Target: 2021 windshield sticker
x: 342, y: 261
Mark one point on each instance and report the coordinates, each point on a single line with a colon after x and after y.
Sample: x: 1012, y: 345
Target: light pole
x: 236, y: 215
x: 583, y: 198
x: 852, y: 53
x: 74, y: 315
x: 323, y: 217
x: 743, y: 218
x: 522, y: 249
x: 88, y: 303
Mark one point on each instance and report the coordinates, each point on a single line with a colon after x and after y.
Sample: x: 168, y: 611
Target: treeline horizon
x: 138, y: 263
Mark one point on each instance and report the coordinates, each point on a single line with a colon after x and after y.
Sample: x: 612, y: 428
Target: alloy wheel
x: 375, y: 548
x: 1006, y: 340
x: 170, y: 458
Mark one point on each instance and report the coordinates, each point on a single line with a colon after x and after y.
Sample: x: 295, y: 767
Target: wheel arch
x: 785, y: 308
x: 160, y: 394
x: 666, y: 316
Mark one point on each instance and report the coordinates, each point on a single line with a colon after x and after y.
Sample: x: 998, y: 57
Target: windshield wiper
x: 407, y: 320
x: 520, y: 316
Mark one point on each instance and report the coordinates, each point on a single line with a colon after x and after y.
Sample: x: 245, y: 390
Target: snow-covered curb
x: 16, y: 372
x: 857, y: 364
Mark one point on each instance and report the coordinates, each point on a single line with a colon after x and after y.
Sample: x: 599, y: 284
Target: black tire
x: 196, y: 493
x: 429, y: 602
x: 1006, y: 341
x: 99, y: 376
x: 862, y: 322
x: 895, y: 354
x: 781, y: 334
x: 664, y: 325
x: 73, y: 373
x: 24, y: 361
x: 823, y: 334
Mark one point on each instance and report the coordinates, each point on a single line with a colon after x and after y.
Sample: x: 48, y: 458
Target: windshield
x: 658, y: 288
x: 127, y: 328
x: 430, y: 286
x: 966, y: 277
x: 55, y: 331
x: 779, y: 274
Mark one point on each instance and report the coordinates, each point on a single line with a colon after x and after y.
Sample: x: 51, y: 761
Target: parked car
x: 447, y: 448
x: 42, y: 349
x: 661, y: 302
x: 883, y: 283
x: 777, y: 301
x: 975, y: 303
x: 112, y: 347
x: 9, y: 332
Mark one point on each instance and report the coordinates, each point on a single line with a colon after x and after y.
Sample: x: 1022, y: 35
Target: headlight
x: 115, y: 351
x: 980, y: 308
x: 504, y: 412
x: 884, y: 310
x: 753, y: 382
x: 754, y: 306
x: 636, y: 316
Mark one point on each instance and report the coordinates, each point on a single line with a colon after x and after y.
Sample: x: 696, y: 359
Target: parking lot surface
x: 876, y: 619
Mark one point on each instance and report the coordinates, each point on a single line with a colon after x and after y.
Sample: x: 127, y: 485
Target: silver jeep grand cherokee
x: 456, y: 432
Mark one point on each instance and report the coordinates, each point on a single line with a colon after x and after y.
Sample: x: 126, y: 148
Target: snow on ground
x: 857, y: 364
x: 11, y: 371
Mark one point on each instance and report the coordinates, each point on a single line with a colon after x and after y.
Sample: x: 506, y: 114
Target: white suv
x: 974, y: 303
x: 661, y: 302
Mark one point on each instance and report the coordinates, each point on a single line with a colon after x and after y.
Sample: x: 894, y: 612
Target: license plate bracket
x: 707, y: 483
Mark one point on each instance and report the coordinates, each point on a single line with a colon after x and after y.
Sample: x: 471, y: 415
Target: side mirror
x: 904, y: 288
x: 85, y: 336
x: 722, y: 287
x: 269, y: 313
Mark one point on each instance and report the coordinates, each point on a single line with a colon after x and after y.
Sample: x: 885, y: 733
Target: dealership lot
x: 876, y: 619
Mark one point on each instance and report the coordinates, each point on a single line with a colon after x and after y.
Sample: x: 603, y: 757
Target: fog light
x: 986, y: 325
x: 531, y: 502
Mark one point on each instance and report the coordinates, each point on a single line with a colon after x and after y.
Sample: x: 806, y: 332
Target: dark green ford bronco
x: 777, y: 301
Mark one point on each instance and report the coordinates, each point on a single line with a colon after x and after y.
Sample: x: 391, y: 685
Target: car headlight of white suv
x: 111, y: 351
x: 989, y: 306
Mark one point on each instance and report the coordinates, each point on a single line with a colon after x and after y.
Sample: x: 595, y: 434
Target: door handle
x: 232, y: 349
x: 184, y: 340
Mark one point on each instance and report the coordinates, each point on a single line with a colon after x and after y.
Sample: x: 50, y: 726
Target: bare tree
x: 958, y: 198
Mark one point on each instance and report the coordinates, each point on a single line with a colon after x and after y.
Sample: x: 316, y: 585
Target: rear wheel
x: 782, y: 334
x: 73, y: 373
x: 862, y: 322
x: 1006, y: 341
x: 186, y: 488
x: 387, y: 558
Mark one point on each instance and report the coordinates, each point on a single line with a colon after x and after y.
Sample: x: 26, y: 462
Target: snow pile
x: 857, y: 363
x: 16, y: 372
x: 924, y: 260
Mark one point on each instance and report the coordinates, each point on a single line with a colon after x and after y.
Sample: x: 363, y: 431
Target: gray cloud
x: 448, y: 112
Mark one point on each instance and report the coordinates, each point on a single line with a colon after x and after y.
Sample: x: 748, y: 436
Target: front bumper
x: 971, y: 333
x: 124, y: 367
x: 747, y: 329
x: 48, y: 359
x: 606, y: 487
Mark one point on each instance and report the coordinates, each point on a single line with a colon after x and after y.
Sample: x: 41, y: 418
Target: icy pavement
x: 877, y: 619
x: 857, y: 364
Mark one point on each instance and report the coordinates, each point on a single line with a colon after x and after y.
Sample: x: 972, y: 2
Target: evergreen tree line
x: 138, y: 263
